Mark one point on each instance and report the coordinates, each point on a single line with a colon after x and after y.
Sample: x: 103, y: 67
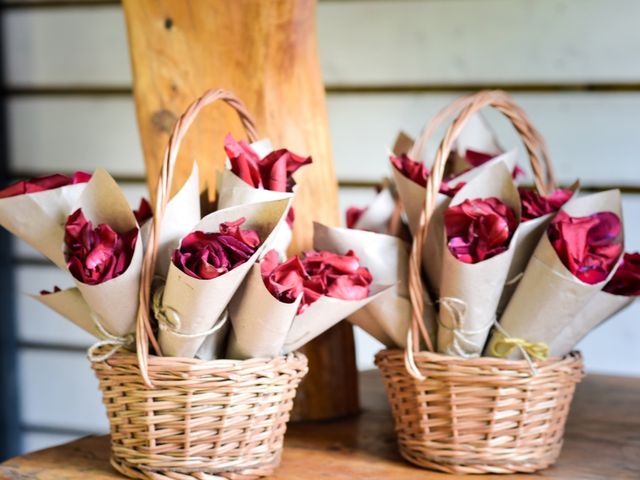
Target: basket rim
x: 572, y: 357
x: 192, y: 364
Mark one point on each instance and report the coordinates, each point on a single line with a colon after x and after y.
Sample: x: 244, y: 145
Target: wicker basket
x: 480, y: 415
x: 178, y: 418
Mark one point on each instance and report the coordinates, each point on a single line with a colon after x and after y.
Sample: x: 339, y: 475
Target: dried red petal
x: 413, y: 170
x: 143, y: 212
x: 209, y: 255
x: 56, y: 289
x: 535, y: 205
x: 41, y: 184
x: 244, y: 160
x: 318, y: 273
x: 97, y: 255
x: 626, y: 279
x: 353, y: 214
x: 588, y: 246
x: 479, y: 229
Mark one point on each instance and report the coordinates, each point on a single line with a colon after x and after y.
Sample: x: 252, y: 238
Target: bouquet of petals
x: 221, y: 287
x: 510, y: 272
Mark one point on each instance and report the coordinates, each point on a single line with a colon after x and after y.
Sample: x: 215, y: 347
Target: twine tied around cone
x: 116, y: 342
x: 169, y: 320
x: 461, y: 344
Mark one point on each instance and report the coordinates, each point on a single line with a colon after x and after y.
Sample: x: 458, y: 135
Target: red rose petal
x: 588, y: 246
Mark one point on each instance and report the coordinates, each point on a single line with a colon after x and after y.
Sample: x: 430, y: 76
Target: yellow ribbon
x: 539, y: 351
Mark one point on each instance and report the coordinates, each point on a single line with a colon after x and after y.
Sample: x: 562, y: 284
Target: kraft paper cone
x: 181, y: 214
x: 196, y: 304
x: 115, y: 302
x: 260, y: 322
x: 529, y: 234
x: 214, y: 344
x: 70, y: 304
x: 412, y: 197
x: 39, y: 218
x: 323, y: 314
x: 387, y: 318
x: 470, y: 292
x: 602, y: 306
x: 377, y: 216
x: 549, y: 296
x: 234, y: 192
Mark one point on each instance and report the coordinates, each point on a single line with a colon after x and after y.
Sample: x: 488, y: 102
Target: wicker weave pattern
x: 484, y: 415
x: 189, y: 419
x: 222, y: 417
x: 476, y: 415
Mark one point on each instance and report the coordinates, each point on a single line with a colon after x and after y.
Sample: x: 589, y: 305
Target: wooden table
x: 602, y: 442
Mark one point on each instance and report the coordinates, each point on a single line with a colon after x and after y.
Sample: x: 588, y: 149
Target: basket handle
x: 144, y: 331
x: 537, y: 141
x: 468, y: 105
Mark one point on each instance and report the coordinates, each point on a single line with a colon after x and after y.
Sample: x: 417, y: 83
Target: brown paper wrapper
x: 549, y: 296
x: 387, y: 318
x: 260, y: 322
x: 470, y: 292
x: 602, y: 306
x: 114, y: 302
x: 197, y: 304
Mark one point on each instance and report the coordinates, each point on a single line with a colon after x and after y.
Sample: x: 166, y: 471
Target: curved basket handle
x: 537, y: 141
x: 144, y: 331
x: 468, y: 105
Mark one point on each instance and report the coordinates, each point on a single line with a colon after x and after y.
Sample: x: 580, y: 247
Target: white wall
x: 388, y: 65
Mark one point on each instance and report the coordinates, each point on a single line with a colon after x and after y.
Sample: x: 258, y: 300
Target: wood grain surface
x: 602, y: 442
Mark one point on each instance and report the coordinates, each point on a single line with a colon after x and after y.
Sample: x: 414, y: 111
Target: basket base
x: 246, y: 474
x: 422, y: 459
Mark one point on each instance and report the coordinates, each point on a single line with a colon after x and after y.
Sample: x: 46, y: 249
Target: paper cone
x: 412, y: 197
x: 387, y: 318
x: 70, y: 304
x: 234, y: 192
x: 115, y: 302
x: 260, y: 322
x: 214, y: 345
x: 39, y: 218
x: 602, y: 306
x: 323, y: 314
x: 529, y: 234
x: 469, y: 293
x: 549, y: 296
x: 196, y: 303
x: 181, y: 214
x: 377, y: 216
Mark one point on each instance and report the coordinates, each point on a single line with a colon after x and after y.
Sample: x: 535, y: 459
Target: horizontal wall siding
x: 372, y: 43
x: 590, y: 135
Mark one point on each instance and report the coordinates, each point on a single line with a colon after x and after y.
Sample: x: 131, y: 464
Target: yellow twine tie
x: 539, y: 351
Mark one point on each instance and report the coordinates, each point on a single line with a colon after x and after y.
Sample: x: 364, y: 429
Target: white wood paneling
x: 593, y: 136
x: 371, y: 43
x: 70, y: 46
x: 67, y: 133
x: 59, y: 390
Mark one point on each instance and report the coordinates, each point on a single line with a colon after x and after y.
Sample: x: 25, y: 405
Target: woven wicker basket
x: 481, y: 415
x: 178, y: 418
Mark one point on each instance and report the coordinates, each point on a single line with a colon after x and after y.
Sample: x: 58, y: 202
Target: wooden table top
x: 602, y: 442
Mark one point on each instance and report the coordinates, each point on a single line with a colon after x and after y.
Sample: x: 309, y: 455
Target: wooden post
x: 266, y: 53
